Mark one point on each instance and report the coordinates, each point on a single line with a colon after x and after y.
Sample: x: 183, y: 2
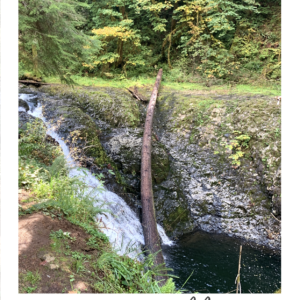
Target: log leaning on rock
x: 152, y: 239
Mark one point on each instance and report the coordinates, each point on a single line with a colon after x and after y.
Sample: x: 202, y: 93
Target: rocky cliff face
x: 215, y: 158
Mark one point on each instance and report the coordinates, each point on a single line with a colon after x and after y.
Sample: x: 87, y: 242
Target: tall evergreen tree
x: 49, y: 42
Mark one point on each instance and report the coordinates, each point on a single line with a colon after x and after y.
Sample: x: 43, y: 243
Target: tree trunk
x: 120, y: 54
x: 152, y: 239
x: 34, y: 59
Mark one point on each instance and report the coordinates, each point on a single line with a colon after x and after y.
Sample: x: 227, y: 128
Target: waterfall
x: 122, y: 226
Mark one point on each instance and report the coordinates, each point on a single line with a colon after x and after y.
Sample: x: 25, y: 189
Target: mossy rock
x: 25, y: 118
x: 108, y: 104
x: 177, y: 220
x: 160, y: 163
x: 72, y: 119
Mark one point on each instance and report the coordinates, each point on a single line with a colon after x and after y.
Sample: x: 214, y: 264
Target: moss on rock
x: 109, y: 104
x: 176, y: 220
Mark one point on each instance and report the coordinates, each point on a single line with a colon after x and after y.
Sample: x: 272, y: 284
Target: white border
x: 9, y: 147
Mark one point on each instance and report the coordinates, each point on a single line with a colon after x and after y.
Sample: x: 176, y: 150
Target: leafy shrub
x: 32, y: 144
x: 126, y: 275
x: 58, y: 167
x: 30, y: 173
x: 237, y: 145
x: 71, y: 195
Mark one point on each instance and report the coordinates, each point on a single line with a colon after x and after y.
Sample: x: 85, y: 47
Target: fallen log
x: 152, y: 239
x: 37, y: 83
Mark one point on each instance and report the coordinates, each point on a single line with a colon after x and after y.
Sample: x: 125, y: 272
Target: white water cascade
x: 122, y: 226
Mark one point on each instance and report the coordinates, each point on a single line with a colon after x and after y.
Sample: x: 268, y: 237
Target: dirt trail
x: 36, y: 254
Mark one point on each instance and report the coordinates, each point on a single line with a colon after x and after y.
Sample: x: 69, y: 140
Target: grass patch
x: 29, y: 281
x: 104, y: 270
x: 268, y: 88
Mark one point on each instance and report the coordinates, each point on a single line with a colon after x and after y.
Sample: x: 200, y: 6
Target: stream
x: 213, y: 258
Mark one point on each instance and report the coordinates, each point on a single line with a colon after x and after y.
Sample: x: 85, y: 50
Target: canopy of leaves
x: 211, y: 38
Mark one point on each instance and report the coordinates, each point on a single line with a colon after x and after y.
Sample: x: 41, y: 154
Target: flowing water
x: 213, y: 258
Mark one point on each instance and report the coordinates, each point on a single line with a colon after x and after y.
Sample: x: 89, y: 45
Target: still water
x: 213, y: 259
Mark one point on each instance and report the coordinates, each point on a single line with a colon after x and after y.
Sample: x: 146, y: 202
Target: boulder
x: 24, y: 118
x: 49, y: 139
x: 23, y: 104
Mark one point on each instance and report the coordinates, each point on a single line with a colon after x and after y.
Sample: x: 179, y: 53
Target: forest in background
x: 192, y: 40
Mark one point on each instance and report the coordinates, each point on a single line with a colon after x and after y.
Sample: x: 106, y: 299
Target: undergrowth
x: 30, y: 281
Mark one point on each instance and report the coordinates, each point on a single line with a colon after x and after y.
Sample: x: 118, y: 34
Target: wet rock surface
x: 23, y: 104
x: 24, y: 118
x: 196, y: 182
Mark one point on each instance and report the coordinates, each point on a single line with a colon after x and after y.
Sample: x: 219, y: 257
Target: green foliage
x: 30, y: 280
x: 80, y: 256
x: 243, y: 140
x: 61, y: 235
x: 35, y: 155
x: 90, y: 229
x: 30, y: 173
x: 70, y: 195
x: 49, y: 43
x: 71, y: 280
x: 50, y: 183
x: 238, y: 144
x: 30, y: 289
x: 58, y: 167
x: 93, y: 242
x: 32, y: 143
x: 169, y: 287
x: 205, y: 29
x: 124, y: 275
x: 232, y: 40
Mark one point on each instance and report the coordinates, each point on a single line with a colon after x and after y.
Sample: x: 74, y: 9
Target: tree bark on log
x: 37, y: 83
x: 152, y: 239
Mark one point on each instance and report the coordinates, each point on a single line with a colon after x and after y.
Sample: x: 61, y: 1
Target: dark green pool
x: 214, y: 260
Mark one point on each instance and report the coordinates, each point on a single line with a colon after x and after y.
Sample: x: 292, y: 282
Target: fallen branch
x: 135, y: 94
x: 275, y: 218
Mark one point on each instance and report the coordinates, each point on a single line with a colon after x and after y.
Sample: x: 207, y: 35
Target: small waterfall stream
x: 122, y: 226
